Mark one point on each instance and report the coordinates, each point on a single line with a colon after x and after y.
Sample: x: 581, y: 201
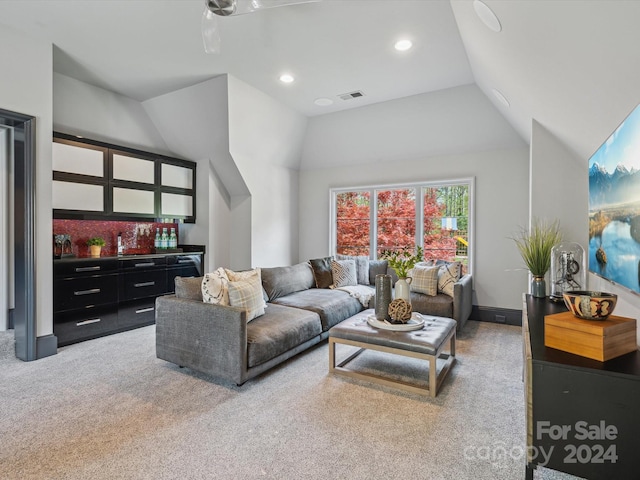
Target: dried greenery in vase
x: 535, y: 245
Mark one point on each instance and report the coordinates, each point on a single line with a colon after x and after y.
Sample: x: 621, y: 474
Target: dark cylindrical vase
x: 383, y: 296
x: 538, y: 287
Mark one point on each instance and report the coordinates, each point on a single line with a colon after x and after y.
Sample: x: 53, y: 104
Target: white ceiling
x: 572, y: 65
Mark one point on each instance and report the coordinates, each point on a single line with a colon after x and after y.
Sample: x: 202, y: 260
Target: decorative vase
x: 94, y: 250
x: 538, y: 287
x: 383, y: 296
x: 402, y: 288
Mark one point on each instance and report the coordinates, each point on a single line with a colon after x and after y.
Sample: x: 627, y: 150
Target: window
x: 435, y: 216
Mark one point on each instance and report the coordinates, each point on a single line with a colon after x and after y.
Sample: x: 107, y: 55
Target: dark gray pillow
x: 322, y: 271
x: 189, y: 288
x: 376, y: 267
x: 281, y: 281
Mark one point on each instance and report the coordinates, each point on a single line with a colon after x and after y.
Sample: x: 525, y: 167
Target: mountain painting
x: 614, y: 206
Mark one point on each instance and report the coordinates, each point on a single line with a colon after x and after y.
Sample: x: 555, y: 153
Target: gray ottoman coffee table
x: 430, y: 342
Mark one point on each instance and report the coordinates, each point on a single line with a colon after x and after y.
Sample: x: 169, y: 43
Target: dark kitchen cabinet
x: 101, y: 296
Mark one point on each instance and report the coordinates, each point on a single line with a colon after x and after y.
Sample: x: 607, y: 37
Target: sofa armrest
x: 211, y: 339
x: 462, y: 300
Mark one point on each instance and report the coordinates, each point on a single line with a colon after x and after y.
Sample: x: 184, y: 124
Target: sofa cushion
x: 280, y: 329
x: 344, y: 273
x: 424, y: 279
x: 448, y: 275
x: 322, y: 271
x: 280, y: 281
x: 362, y: 267
x: 215, y: 287
x: 247, y: 294
x: 376, y: 267
x: 189, y: 288
x: 236, y: 276
x: 440, y: 305
x: 333, y: 306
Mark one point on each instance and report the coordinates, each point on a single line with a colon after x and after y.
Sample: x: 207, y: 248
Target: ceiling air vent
x: 351, y: 95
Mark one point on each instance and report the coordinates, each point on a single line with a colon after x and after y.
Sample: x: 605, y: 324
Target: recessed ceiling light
x: 498, y: 94
x: 402, y: 45
x: 487, y: 16
x: 286, y: 78
x: 323, y: 102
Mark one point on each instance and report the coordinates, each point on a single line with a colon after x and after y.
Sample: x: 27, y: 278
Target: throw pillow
x: 362, y: 267
x: 376, y: 267
x: 215, y: 287
x: 247, y: 294
x: 322, y: 271
x: 425, y: 280
x: 247, y: 275
x: 344, y: 273
x: 448, y: 275
x: 281, y: 281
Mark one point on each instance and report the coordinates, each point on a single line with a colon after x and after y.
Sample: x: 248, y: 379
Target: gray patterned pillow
x: 448, y: 275
x: 344, y: 273
x: 425, y: 280
x: 247, y: 294
x: 362, y: 267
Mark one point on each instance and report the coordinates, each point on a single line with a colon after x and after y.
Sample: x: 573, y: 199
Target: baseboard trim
x: 507, y: 316
x: 46, y: 346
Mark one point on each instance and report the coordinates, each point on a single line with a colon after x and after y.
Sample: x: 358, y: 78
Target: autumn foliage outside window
x: 445, y: 218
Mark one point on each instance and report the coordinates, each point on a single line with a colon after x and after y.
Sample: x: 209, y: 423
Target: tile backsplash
x: 137, y: 237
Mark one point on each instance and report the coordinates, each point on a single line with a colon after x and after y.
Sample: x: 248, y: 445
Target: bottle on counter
x: 173, y: 239
x: 156, y: 241
x: 164, y: 239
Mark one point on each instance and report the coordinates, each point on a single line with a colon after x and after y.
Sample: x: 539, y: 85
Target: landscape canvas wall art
x: 614, y: 206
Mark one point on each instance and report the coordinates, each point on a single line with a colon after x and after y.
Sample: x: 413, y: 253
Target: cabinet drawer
x: 146, y: 263
x: 134, y: 285
x: 73, y: 293
x: 89, y: 323
x: 137, y: 313
x: 83, y: 267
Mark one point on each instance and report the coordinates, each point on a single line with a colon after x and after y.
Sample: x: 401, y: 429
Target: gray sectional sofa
x: 217, y: 340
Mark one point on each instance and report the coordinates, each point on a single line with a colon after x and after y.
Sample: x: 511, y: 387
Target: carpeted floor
x: 109, y: 409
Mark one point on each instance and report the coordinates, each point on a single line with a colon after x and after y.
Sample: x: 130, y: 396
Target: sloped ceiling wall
x: 572, y: 66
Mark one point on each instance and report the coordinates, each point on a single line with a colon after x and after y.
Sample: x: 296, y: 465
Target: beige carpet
x: 109, y: 409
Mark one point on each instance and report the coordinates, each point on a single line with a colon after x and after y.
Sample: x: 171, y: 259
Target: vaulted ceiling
x: 572, y: 65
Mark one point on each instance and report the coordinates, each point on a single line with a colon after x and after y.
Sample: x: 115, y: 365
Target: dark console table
x: 583, y: 416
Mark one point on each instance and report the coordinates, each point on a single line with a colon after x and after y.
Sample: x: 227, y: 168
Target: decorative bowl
x: 590, y: 305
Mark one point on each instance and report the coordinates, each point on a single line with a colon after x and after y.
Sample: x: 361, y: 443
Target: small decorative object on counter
x: 383, y: 296
x: 95, y: 245
x: 164, y: 239
x: 400, y: 311
x: 568, y: 270
x: 156, y: 241
x: 173, y: 239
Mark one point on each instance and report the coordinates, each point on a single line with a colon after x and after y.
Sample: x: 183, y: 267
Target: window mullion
x: 373, y: 225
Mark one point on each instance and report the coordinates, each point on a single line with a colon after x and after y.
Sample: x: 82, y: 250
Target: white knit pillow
x: 344, y: 273
x: 425, y: 280
x: 247, y: 294
x: 215, y: 287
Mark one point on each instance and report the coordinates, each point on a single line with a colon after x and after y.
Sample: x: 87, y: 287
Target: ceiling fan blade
x: 247, y: 6
x: 210, y: 32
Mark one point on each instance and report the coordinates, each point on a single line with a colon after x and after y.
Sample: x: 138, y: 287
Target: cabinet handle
x: 145, y: 310
x: 87, y: 292
x: 185, y: 261
x: 88, y: 322
x: 144, y: 284
x: 88, y: 269
x: 147, y: 264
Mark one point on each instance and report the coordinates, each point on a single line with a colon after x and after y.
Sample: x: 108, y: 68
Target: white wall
x: 26, y: 87
x: 265, y: 141
x: 501, y: 205
x: 82, y: 109
x: 193, y: 121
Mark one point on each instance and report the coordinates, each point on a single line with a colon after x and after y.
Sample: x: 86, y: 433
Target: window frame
x: 418, y: 186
